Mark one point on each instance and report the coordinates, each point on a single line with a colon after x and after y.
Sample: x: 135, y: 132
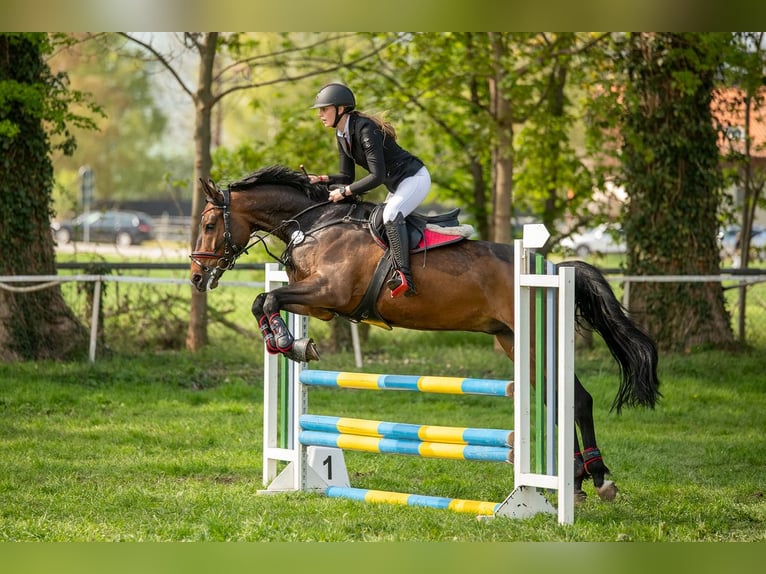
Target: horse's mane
x: 282, y: 175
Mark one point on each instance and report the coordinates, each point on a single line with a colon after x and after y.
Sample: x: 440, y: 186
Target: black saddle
x: 416, y: 225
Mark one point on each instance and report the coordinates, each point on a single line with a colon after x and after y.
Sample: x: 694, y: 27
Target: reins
x: 232, y: 251
x: 299, y: 235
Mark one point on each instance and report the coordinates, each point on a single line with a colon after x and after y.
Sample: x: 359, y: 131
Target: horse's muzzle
x: 205, y: 281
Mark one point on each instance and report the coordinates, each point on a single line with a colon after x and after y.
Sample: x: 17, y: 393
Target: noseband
x: 230, y: 250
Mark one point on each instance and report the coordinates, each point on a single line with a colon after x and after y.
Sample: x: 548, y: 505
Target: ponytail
x: 387, y: 129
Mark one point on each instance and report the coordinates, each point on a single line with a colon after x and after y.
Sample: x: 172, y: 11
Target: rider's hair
x: 385, y: 127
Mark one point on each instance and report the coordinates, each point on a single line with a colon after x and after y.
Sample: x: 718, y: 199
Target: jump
x: 333, y: 256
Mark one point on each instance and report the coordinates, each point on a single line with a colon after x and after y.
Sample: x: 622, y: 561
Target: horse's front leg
x: 263, y: 324
x: 276, y: 334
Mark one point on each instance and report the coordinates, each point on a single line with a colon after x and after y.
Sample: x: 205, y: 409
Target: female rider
x: 370, y: 142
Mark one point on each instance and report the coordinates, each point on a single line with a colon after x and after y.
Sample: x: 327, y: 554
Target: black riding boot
x: 398, y: 243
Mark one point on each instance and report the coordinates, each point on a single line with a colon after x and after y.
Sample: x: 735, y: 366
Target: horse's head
x: 222, y: 236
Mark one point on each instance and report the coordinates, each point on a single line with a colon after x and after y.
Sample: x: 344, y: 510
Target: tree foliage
x: 500, y: 119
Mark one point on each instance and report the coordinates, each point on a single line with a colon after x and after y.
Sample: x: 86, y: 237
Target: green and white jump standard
x: 312, y: 445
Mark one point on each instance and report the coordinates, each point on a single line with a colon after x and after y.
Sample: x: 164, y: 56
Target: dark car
x: 121, y: 227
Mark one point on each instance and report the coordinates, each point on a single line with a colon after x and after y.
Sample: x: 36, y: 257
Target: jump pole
x: 307, y: 466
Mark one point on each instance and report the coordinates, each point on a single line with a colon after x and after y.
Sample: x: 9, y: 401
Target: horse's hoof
x: 303, y: 351
x: 312, y: 353
x: 580, y: 496
x: 607, y: 491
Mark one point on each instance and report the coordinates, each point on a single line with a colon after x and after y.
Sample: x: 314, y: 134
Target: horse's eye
x: 209, y: 226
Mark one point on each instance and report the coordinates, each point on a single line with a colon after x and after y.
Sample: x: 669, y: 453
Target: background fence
x: 135, y: 306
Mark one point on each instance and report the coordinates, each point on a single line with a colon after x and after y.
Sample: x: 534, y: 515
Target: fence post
x: 95, y: 314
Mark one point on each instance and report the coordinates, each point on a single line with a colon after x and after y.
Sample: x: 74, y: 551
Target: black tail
x: 632, y: 348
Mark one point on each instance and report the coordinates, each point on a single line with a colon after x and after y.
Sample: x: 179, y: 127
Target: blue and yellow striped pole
x: 425, y: 384
x: 406, y: 431
x: 411, y: 447
x: 455, y: 504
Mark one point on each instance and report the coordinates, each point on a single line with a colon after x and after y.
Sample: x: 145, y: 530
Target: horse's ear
x: 211, y: 190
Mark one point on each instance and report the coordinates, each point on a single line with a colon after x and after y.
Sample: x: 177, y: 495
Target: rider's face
x: 327, y: 115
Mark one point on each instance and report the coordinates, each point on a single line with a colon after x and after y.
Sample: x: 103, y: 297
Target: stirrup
x: 399, y: 285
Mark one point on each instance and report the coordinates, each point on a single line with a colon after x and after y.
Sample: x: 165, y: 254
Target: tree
x: 670, y: 161
x: 34, y: 324
x: 232, y: 63
x: 492, y: 113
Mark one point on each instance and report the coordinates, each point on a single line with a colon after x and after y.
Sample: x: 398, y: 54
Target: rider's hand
x: 337, y: 193
x: 318, y: 178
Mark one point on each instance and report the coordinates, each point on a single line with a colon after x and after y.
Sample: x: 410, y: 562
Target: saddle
x: 424, y: 232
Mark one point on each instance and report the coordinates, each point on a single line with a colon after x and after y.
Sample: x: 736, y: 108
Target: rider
x: 370, y: 142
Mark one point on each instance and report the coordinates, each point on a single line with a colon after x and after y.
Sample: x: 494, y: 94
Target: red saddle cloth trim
x: 434, y: 239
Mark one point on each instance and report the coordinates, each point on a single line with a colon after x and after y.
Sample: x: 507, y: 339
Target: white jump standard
x: 312, y: 445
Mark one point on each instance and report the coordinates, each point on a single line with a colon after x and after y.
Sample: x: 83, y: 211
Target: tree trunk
x: 674, y: 184
x: 35, y: 324
x: 196, y: 337
x: 503, y: 150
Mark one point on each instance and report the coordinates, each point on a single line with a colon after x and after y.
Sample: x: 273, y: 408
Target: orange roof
x: 728, y: 109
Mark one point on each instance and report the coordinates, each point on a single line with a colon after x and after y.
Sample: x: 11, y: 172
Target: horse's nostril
x: 196, y: 278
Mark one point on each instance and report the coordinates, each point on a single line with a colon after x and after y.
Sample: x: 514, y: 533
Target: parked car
x: 729, y: 239
x: 597, y: 240
x: 121, y: 227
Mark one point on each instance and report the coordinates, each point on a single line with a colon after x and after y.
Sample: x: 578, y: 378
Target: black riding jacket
x: 386, y: 161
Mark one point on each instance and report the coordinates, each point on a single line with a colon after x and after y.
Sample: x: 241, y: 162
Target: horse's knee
x: 265, y: 303
x: 271, y: 303
x: 257, y: 308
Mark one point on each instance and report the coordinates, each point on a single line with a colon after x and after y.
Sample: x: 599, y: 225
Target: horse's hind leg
x: 589, y: 463
x: 583, y: 403
x: 579, y: 471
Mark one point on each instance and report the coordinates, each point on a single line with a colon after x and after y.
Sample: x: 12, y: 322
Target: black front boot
x: 398, y: 244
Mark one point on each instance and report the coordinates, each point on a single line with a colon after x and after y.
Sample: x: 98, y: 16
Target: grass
x: 167, y: 447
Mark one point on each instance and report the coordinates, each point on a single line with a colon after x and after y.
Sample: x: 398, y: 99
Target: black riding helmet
x: 335, y: 95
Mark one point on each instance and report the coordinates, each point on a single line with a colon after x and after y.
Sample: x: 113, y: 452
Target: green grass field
x: 167, y: 447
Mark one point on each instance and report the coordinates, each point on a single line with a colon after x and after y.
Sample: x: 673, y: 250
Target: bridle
x: 230, y: 250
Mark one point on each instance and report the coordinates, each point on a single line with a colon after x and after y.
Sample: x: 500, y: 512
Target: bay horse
x: 331, y: 258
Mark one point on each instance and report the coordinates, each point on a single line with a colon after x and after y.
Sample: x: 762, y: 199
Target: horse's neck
x: 272, y: 210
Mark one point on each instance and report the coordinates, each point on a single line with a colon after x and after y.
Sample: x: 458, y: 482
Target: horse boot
x: 283, y: 339
x: 268, y: 336
x: 399, y: 246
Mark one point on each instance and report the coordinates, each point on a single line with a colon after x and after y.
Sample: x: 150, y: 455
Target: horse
x: 331, y: 257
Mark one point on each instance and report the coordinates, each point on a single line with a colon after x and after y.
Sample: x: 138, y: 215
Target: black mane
x: 281, y: 175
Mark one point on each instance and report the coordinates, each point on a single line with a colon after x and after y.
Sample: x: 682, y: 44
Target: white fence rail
x: 8, y: 283
x: 28, y: 283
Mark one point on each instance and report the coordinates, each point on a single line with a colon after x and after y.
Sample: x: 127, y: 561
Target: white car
x: 729, y: 239
x: 599, y: 240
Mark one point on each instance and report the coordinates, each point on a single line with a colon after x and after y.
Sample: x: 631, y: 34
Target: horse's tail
x: 632, y: 348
